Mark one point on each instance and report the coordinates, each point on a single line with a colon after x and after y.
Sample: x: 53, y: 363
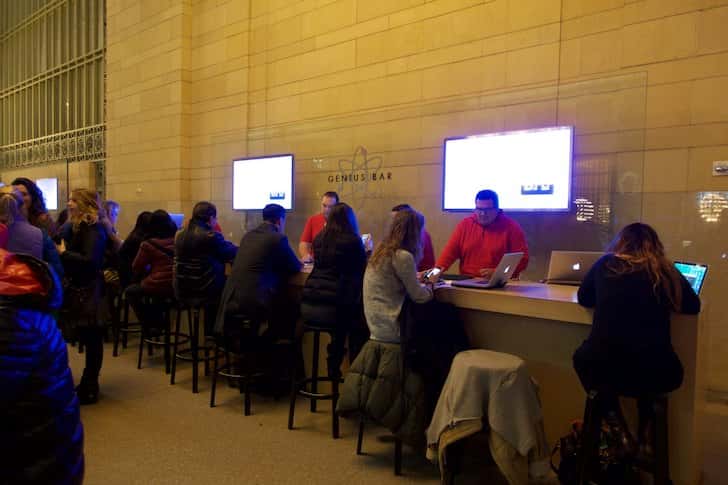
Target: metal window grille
x: 52, y: 75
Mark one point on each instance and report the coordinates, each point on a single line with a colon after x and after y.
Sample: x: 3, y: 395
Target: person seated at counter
x: 481, y: 240
x: 332, y: 295
x: 154, y: 267
x: 633, y: 288
x: 315, y: 224
x: 261, y: 269
x: 391, y: 275
x: 199, y: 265
x: 428, y: 253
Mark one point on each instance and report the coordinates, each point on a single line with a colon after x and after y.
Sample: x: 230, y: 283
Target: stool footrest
x: 316, y: 395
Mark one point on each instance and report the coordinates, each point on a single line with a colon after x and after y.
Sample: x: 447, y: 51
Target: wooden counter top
x: 529, y: 299
x: 526, y: 298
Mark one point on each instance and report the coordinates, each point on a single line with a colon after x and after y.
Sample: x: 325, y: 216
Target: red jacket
x: 428, y: 253
x: 479, y: 247
x: 156, y: 265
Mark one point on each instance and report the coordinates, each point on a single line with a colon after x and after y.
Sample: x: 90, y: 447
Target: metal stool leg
x: 662, y: 453
x: 215, y: 370
x: 195, y: 349
x: 315, y: 367
x: 246, y: 369
x: 175, y: 346
x: 167, y: 339
x: 590, y: 438
x: 360, y: 437
x: 142, y: 336
x: 125, y: 337
x: 297, y: 351
x: 334, y: 400
x: 397, y: 456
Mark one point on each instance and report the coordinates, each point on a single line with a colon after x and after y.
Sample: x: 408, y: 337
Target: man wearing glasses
x: 481, y: 240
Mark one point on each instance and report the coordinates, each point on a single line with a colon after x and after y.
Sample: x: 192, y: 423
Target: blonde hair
x: 89, y: 209
x: 637, y: 248
x: 405, y: 232
x: 10, y: 203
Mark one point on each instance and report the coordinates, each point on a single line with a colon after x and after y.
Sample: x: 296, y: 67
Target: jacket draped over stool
x: 378, y: 388
x: 493, y: 389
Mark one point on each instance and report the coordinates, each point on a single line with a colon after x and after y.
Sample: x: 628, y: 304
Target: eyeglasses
x: 487, y: 210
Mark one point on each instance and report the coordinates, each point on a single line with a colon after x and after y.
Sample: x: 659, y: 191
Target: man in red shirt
x: 314, y: 224
x: 481, y: 240
x: 428, y: 253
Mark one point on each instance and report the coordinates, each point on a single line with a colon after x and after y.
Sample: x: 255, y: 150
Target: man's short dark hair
x: 488, y: 195
x: 401, y: 207
x: 273, y: 212
x: 332, y: 194
x: 203, y: 211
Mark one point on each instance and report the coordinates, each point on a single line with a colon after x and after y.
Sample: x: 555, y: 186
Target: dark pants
x: 347, y: 321
x: 92, y: 338
x: 432, y: 334
x: 149, y: 313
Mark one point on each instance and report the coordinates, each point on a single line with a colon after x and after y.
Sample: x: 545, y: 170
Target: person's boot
x: 88, y: 390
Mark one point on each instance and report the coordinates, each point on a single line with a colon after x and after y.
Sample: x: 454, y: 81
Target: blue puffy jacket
x: 41, y: 437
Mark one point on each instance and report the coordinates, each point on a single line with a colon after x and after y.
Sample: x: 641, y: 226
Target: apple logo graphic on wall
x: 576, y: 267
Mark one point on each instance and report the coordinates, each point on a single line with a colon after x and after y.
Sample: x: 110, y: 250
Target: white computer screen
x: 530, y: 170
x: 49, y: 187
x: 258, y: 182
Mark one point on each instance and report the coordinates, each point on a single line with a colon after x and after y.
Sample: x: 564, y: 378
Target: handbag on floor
x: 614, y: 468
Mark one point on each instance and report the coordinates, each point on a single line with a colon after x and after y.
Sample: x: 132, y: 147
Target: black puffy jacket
x: 199, y: 263
x: 41, y: 437
x: 338, y: 271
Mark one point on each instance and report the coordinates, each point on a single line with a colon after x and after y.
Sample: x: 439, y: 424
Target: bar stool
x: 146, y: 337
x: 298, y: 387
x: 193, y: 320
x: 244, y: 346
x: 121, y: 328
x: 588, y: 459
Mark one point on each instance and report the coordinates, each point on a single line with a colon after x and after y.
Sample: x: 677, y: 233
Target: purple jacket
x: 25, y: 238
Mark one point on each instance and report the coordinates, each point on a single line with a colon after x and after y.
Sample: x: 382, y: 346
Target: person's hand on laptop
x: 486, y: 273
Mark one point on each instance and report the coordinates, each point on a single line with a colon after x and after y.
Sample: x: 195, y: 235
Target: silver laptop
x: 500, y: 276
x: 570, y: 267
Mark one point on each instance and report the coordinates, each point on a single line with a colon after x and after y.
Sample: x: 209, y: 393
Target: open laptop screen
x: 694, y: 273
x: 178, y: 219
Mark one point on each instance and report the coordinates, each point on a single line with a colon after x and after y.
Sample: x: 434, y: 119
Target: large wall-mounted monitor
x: 49, y: 187
x: 260, y: 181
x: 529, y: 169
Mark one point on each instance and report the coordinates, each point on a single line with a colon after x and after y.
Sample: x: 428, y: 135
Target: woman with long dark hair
x: 83, y: 262
x: 332, y: 294
x: 34, y: 207
x: 633, y: 289
x: 130, y: 247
